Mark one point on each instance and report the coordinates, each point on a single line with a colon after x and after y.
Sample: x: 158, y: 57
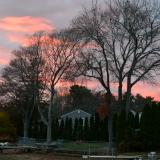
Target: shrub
x: 132, y: 146
x: 7, y: 130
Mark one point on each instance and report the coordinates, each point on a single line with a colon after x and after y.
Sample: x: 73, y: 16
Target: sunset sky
x: 21, y: 18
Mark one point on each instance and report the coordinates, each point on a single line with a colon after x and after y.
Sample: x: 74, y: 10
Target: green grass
x: 83, y: 146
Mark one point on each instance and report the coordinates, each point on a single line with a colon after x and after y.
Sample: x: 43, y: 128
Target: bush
x: 136, y: 146
x: 7, y: 130
x: 132, y: 146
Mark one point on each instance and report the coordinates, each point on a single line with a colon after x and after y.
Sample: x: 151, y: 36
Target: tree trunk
x: 128, y: 96
x: 127, y: 105
x: 110, y: 130
x: 49, y: 133
x: 109, y: 102
x: 25, y: 128
x: 49, y: 125
x: 120, y: 98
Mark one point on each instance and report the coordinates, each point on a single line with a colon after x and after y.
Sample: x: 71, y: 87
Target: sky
x: 21, y: 18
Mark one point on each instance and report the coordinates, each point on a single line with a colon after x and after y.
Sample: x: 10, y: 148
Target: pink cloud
x: 17, y: 38
x: 25, y: 24
x: 17, y: 29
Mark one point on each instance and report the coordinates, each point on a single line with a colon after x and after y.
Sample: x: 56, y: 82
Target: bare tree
x: 58, y: 50
x: 19, y: 82
x: 135, y: 49
x: 36, y: 70
x: 93, y: 60
x: 120, y: 44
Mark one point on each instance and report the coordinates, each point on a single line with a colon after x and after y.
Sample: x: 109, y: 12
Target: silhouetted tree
x: 75, y: 131
x: 61, y: 129
x: 119, y: 44
x: 86, y: 129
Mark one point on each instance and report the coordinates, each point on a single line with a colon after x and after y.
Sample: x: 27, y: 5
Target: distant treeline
x: 93, y: 129
x: 139, y: 131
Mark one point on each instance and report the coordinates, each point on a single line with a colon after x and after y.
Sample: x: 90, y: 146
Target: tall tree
x: 149, y: 125
x: 83, y: 98
x: 93, y: 60
x: 120, y: 44
x: 19, y: 80
x: 134, y: 46
x: 86, y: 129
x: 58, y: 50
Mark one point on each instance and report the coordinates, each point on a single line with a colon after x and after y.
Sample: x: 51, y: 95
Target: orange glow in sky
x: 16, y: 31
x: 28, y: 17
x: 24, y: 24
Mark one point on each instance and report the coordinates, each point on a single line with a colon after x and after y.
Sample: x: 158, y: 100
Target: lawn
x: 64, y: 151
x: 84, y: 146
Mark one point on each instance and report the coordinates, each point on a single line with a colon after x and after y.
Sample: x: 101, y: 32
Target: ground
x: 64, y: 152
x: 67, y: 147
x: 49, y: 156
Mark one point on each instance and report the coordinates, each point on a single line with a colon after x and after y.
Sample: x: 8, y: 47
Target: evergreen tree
x: 81, y: 97
x: 66, y: 128
x: 80, y: 129
x: 55, y: 127
x: 155, y: 125
x: 91, y: 128
x: 149, y: 126
x: 137, y: 121
x: 86, y: 129
x: 97, y: 127
x: 75, y: 130
x: 158, y: 124
x: 121, y: 127
x: 104, y: 129
x: 70, y: 128
x: 114, y: 126
x: 130, y: 127
x: 61, y: 129
x: 42, y: 133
